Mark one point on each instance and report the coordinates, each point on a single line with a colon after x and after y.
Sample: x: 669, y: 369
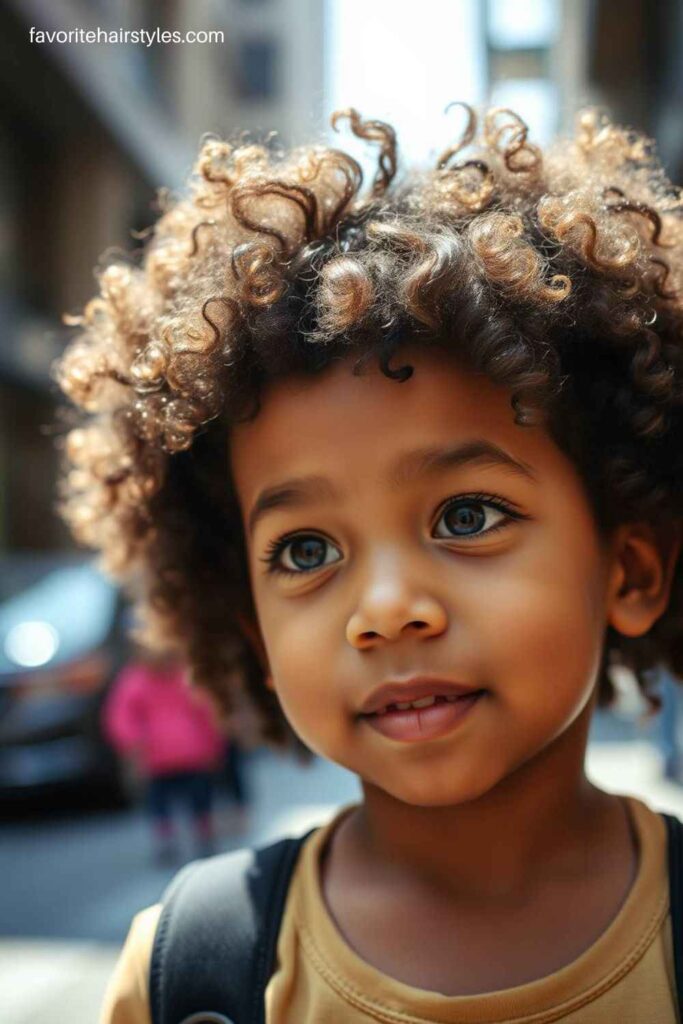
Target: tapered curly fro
x: 556, y: 272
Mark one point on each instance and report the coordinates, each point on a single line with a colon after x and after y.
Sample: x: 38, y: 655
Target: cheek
x: 546, y: 631
x: 303, y: 658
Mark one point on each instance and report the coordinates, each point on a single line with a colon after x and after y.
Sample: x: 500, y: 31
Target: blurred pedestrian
x: 243, y: 732
x: 234, y: 778
x: 153, y: 715
x: 668, y: 731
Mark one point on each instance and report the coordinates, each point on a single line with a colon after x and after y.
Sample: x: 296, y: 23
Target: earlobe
x: 644, y: 564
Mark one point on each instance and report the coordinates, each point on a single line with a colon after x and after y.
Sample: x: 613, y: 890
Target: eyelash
x: 276, y: 547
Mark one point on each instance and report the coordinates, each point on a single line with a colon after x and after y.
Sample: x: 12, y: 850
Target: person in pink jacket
x: 152, y: 714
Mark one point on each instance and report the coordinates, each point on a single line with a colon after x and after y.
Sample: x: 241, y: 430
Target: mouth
x: 418, y: 691
x: 426, y: 702
x: 436, y: 716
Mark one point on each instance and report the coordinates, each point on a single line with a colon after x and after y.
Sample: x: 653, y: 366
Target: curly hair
x: 557, y: 273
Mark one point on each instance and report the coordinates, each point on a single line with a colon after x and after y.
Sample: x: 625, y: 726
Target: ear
x: 251, y: 631
x: 644, y: 560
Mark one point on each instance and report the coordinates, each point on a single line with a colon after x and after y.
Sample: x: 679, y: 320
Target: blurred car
x: 61, y: 644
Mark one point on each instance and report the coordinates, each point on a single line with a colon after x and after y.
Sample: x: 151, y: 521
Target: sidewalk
x: 55, y: 982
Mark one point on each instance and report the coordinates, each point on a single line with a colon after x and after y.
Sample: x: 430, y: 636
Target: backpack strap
x: 215, y: 944
x: 675, y: 857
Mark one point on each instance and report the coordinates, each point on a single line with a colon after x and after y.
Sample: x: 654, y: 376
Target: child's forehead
x: 336, y: 418
x: 439, y: 384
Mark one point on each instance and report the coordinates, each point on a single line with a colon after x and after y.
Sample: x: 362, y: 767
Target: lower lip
x: 423, y: 723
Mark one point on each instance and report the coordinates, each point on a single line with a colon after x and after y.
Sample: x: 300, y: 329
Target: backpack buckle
x: 206, y: 1017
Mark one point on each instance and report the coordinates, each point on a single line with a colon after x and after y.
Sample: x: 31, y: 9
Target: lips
x: 414, y: 689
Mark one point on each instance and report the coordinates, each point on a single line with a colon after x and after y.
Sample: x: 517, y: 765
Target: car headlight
x: 31, y: 644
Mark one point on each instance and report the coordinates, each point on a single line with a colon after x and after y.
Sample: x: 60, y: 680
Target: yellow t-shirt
x: 627, y: 975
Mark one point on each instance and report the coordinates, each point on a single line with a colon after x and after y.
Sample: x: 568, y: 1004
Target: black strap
x: 215, y: 944
x: 675, y: 859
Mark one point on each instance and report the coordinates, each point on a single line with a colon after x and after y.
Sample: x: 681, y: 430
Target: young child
x: 405, y: 463
x: 152, y: 715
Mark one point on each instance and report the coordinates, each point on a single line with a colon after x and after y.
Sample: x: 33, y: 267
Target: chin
x: 449, y: 792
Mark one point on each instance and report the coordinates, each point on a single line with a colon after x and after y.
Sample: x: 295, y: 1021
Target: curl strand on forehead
x: 556, y: 272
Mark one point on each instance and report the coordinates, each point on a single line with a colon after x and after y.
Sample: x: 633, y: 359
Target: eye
x: 300, y: 554
x: 466, y: 515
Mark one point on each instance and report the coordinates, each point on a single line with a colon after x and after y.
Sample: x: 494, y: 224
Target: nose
x: 389, y: 609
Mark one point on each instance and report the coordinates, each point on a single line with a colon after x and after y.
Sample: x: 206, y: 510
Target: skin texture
x: 407, y: 590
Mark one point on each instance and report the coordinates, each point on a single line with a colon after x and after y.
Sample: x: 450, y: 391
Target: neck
x: 537, y: 824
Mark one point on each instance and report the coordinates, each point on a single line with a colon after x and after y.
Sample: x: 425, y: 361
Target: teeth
x: 424, y: 703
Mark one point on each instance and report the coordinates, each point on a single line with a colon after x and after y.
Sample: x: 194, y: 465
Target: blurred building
x: 536, y: 63
x: 634, y: 67
x: 88, y: 132
x: 553, y: 56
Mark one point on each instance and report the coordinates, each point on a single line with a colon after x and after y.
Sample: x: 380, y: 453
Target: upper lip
x: 413, y: 689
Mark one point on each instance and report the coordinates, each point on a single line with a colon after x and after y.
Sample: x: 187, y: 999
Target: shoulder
x: 126, y: 999
x: 651, y: 825
x: 195, y: 903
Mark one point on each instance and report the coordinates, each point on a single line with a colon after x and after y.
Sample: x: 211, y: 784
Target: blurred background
x: 88, y: 132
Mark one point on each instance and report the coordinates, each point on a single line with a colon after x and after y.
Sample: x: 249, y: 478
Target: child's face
x: 389, y: 583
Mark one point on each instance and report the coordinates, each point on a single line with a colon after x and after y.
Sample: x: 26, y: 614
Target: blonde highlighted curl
x: 557, y: 273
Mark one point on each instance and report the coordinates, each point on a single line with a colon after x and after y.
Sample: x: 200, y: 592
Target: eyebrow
x: 299, y: 491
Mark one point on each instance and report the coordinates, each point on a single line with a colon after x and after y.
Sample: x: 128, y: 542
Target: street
x: 83, y: 876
